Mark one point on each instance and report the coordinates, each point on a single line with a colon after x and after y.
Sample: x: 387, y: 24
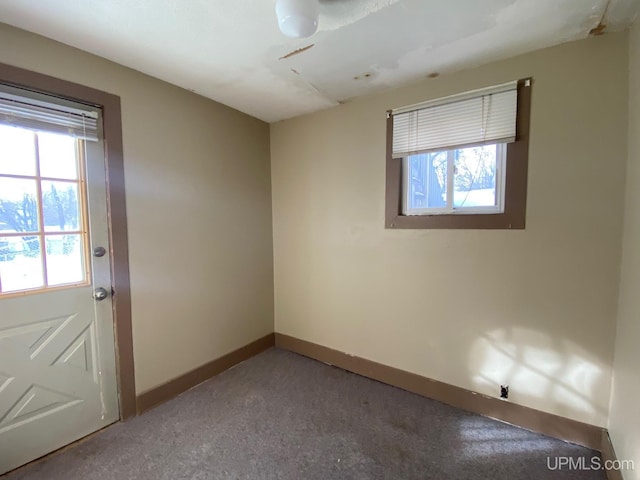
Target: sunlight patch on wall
x: 540, y: 370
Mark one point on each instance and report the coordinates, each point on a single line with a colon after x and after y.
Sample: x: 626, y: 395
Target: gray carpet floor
x: 283, y: 416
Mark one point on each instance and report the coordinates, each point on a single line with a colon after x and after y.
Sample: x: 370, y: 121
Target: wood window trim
x: 515, y: 200
x: 116, y: 207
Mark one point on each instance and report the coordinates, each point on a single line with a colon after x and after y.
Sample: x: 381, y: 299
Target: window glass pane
x: 475, y: 177
x: 427, y: 182
x: 17, y: 151
x: 65, y: 259
x: 20, y: 263
x: 57, y: 156
x: 60, y: 206
x: 18, y: 205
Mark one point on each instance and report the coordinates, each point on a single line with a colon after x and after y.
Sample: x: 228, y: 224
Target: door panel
x: 52, y: 375
x: 57, y: 346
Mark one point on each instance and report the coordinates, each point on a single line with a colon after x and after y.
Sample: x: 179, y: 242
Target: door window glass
x: 42, y: 203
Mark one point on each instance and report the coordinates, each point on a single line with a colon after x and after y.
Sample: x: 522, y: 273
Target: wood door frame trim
x: 116, y: 207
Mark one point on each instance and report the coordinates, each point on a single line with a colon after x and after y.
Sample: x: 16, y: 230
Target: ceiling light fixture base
x: 297, y: 18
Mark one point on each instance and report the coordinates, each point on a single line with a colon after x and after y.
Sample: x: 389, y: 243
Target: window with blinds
x: 38, y: 112
x: 481, y: 117
x: 454, y: 151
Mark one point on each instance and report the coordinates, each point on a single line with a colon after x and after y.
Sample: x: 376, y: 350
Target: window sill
x: 488, y: 221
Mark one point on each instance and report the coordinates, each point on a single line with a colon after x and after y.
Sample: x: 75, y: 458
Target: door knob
x: 100, y: 294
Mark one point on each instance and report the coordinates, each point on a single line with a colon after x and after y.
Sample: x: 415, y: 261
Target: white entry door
x: 57, y: 353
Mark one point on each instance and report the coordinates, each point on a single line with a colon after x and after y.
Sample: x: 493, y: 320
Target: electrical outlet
x: 504, y: 391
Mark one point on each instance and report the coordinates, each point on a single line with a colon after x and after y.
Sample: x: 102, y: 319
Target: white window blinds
x: 474, y: 118
x: 21, y: 108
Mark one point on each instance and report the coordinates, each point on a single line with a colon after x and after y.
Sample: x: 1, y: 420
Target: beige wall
x: 198, y: 205
x: 624, y: 421
x: 533, y: 308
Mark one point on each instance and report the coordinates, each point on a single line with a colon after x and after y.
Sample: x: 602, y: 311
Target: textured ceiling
x: 232, y: 51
